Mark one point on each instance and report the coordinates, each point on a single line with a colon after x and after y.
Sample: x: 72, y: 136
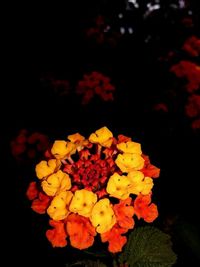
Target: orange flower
x: 80, y: 231
x: 143, y: 208
x: 124, y: 213
x: 151, y: 214
x: 32, y: 191
x: 149, y: 169
x: 115, y: 239
x: 40, y: 204
x: 57, y: 236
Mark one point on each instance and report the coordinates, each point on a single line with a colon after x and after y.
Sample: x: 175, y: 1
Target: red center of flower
x: 91, y: 172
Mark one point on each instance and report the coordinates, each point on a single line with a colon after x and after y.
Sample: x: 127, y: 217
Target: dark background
x: 51, y: 39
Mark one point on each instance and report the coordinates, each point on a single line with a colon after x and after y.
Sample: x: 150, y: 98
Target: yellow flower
x: 147, y: 185
x: 45, y: 168
x: 102, y: 216
x: 78, y: 140
x: 83, y: 202
x: 128, y: 162
x: 118, y: 186
x: 136, y: 180
x: 139, y: 183
x: 58, y: 209
x: 130, y: 147
x: 56, y: 183
x: 103, y: 136
x: 63, y: 149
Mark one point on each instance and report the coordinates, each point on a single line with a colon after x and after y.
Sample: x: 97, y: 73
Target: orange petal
x: 40, y: 204
x: 57, y: 236
x: 151, y: 213
x: 80, y: 231
x: 122, y: 138
x: 150, y: 170
x: 32, y: 191
x: 115, y: 239
x: 143, y: 208
x: 124, y: 213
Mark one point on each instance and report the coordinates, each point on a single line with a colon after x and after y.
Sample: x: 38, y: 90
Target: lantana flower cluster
x: 95, y: 83
x: 99, y: 185
x: 188, y: 91
x: 29, y: 145
x: 190, y: 71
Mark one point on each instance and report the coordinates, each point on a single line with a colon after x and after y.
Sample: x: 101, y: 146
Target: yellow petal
x: 79, y: 141
x: 147, y: 185
x: 58, y: 209
x: 130, y: 147
x: 45, y: 168
x: 102, y: 216
x: 136, y: 180
x: 103, y: 136
x: 118, y: 186
x: 83, y: 202
x: 56, y: 183
x: 128, y: 162
x: 74, y: 138
x: 62, y: 149
x: 65, y: 181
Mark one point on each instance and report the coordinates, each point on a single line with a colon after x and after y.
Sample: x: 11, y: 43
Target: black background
x: 50, y: 39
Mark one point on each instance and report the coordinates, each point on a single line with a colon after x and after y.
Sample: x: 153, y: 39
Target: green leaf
x: 148, y: 247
